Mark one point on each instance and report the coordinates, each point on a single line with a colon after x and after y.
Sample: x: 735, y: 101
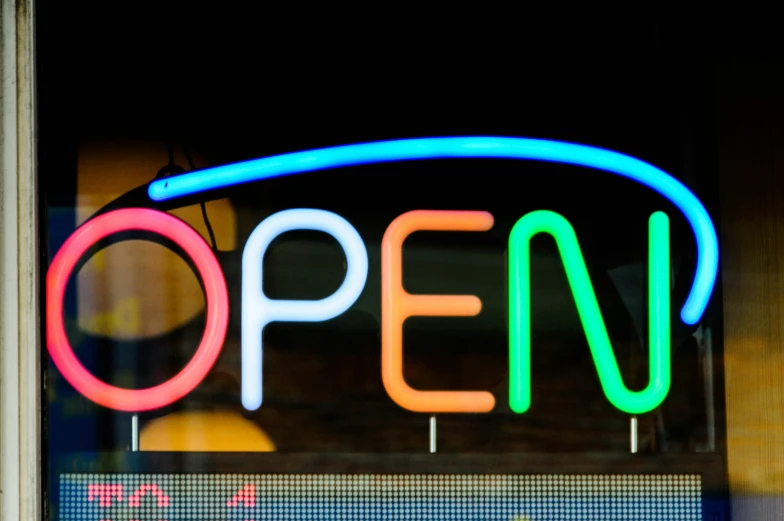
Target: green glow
x: 632, y: 402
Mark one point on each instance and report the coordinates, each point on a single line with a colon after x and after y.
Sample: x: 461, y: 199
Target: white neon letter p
x: 258, y: 310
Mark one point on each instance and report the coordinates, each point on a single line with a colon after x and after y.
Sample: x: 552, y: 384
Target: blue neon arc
x: 474, y: 147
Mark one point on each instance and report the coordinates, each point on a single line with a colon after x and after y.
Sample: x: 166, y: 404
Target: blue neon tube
x: 474, y: 147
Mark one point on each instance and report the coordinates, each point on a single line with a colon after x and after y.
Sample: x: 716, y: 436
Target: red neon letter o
x: 132, y: 400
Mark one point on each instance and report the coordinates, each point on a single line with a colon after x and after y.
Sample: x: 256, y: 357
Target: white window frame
x: 20, y: 368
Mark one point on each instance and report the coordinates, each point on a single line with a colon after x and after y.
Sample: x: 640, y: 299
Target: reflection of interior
x: 134, y: 279
x: 204, y: 431
x: 211, y: 426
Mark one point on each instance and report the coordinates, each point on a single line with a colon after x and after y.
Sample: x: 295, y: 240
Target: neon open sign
x: 397, y: 305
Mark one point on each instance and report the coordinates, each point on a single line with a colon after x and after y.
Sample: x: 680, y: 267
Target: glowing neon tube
x: 258, y: 310
x: 474, y: 147
x: 632, y: 402
x: 397, y: 305
x: 216, y: 293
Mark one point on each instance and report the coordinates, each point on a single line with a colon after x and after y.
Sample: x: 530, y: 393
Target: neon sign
x: 397, y: 305
x: 258, y: 310
x: 217, y: 309
x: 588, y: 308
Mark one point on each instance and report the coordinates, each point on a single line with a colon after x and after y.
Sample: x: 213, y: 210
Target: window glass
x: 264, y: 305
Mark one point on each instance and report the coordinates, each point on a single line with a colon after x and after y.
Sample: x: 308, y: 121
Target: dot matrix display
x: 367, y: 497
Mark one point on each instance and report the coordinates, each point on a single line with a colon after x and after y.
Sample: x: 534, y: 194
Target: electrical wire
x: 207, y: 223
x: 173, y: 169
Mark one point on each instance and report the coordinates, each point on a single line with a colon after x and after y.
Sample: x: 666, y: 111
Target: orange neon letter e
x: 397, y: 305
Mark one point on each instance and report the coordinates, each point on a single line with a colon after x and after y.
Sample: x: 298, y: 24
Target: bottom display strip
x: 349, y: 497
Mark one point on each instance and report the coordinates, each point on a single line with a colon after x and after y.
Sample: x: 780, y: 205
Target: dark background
x: 253, y: 81
x: 239, y: 82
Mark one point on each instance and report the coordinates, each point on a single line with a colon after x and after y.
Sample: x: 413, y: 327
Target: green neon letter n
x: 632, y: 402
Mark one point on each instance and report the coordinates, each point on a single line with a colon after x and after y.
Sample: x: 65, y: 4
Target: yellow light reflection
x: 211, y: 431
x: 136, y: 289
